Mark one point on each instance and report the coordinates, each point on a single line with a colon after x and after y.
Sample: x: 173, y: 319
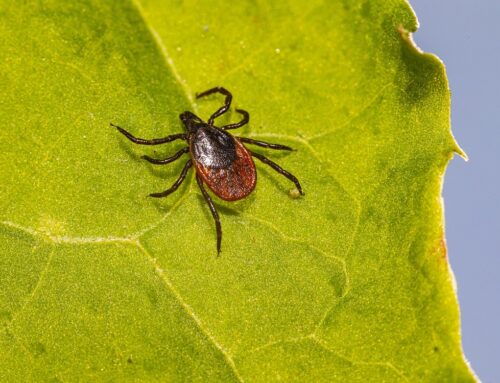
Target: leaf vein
x: 321, y: 343
x: 388, y: 365
x: 356, y: 115
x: 296, y: 240
x: 57, y: 239
x: 190, y: 312
x: 166, y: 55
x: 328, y: 310
x: 30, y: 297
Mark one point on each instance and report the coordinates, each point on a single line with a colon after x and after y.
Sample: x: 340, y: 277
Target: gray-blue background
x: 466, y: 36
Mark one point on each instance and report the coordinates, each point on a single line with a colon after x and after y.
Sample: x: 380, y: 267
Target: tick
x: 221, y: 160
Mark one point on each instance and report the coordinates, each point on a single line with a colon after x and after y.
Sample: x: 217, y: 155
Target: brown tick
x: 221, y: 160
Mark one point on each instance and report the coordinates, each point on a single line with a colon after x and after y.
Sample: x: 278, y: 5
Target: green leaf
x: 100, y: 283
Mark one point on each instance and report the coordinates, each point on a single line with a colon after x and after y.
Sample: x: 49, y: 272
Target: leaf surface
x: 100, y: 283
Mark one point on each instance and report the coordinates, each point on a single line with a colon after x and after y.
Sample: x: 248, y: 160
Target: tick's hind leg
x: 154, y: 141
x: 244, y: 121
x: 215, y: 215
x: 166, y: 160
x: 264, y: 144
x: 177, y: 183
x: 279, y: 169
x: 222, y: 109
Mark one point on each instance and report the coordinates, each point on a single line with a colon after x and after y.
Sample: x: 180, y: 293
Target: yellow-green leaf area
x: 98, y: 282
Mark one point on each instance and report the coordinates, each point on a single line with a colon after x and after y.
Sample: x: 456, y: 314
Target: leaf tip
x: 458, y: 150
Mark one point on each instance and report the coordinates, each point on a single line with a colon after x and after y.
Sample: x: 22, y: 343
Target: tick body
x: 221, y: 160
x: 223, y: 163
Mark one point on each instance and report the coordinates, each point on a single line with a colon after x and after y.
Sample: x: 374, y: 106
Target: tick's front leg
x: 154, y: 141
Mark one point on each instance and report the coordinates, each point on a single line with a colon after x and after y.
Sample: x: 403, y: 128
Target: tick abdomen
x: 213, y: 148
x: 223, y: 163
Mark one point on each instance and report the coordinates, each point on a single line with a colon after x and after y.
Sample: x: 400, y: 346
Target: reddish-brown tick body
x: 223, y: 163
x: 221, y: 160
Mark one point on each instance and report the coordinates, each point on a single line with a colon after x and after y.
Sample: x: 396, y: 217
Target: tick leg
x: 154, y: 141
x: 264, y: 144
x: 166, y: 160
x: 279, y: 169
x: 246, y: 118
x: 213, y: 210
x: 221, y: 110
x: 176, y: 184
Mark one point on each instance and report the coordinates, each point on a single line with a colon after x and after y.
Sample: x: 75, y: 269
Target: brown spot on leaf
x: 441, y: 248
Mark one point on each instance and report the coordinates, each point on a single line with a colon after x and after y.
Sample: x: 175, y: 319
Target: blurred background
x: 465, y: 35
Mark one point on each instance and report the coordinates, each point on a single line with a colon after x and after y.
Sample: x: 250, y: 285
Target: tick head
x: 191, y: 122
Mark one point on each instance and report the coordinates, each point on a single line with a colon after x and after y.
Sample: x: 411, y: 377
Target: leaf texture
x: 349, y: 283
